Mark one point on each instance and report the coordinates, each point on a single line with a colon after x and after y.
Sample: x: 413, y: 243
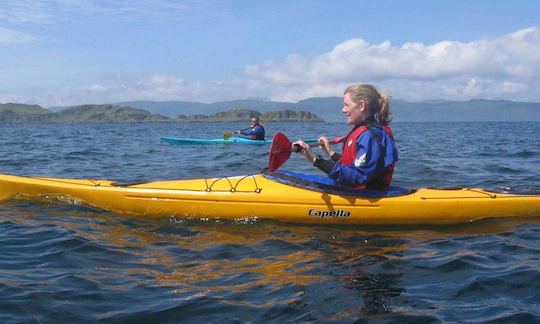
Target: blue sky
x: 69, y: 52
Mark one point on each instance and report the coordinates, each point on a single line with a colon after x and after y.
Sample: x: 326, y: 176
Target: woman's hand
x: 326, y: 147
x: 305, y: 151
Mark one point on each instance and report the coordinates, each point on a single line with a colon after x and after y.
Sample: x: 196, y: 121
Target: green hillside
x: 105, y: 114
x: 238, y: 114
x: 20, y: 113
x: 241, y: 114
x: 24, y: 109
x: 291, y: 115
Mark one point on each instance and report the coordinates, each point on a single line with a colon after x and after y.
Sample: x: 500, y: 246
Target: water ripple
x: 73, y: 263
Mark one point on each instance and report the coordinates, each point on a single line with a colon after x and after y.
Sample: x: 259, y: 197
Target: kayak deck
x: 256, y: 196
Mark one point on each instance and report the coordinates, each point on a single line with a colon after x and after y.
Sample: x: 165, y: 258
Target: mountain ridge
x: 329, y: 109
x: 20, y: 113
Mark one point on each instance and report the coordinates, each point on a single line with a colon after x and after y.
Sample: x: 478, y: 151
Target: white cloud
x: 158, y: 87
x: 499, y: 67
x: 97, y: 88
x: 10, y: 36
x: 486, y: 67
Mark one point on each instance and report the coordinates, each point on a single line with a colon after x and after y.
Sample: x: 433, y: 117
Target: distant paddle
x: 281, y: 149
x: 228, y: 135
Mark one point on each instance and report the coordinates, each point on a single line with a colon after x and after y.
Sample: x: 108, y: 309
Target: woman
x: 369, y: 151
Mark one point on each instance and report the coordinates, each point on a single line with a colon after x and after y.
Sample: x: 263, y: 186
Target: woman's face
x: 354, y: 111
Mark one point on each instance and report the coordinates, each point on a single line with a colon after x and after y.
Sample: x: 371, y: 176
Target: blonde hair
x: 378, y: 104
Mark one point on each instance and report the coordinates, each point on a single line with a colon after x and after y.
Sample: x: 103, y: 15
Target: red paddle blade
x: 280, y: 151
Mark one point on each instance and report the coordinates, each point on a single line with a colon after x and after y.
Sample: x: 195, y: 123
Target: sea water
x: 63, y: 261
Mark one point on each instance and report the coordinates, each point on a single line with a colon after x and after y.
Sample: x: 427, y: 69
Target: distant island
x: 20, y: 113
x: 308, y: 110
x: 284, y: 115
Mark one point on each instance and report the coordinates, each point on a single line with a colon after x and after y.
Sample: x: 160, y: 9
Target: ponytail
x: 383, y: 115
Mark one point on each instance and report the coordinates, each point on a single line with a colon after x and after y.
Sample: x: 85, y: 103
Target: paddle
x: 281, y: 149
x: 228, y: 135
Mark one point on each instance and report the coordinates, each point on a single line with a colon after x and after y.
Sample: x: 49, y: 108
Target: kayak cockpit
x: 327, y: 185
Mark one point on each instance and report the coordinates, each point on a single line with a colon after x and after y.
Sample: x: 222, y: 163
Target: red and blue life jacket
x: 379, y: 181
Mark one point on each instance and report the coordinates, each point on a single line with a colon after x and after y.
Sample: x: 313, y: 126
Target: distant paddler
x: 255, y: 131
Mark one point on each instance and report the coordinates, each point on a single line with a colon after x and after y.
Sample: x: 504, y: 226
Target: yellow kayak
x: 278, y: 196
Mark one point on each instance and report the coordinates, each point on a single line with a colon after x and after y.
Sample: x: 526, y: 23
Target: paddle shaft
x: 297, y: 148
x: 245, y: 129
x: 229, y: 134
x: 281, y: 150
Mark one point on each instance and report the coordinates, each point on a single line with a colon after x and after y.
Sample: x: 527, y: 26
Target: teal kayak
x: 232, y: 140
x: 201, y: 141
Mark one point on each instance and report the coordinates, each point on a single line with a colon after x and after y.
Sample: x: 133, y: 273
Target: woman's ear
x: 362, y: 105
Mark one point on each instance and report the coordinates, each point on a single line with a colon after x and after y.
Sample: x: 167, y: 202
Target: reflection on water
x: 304, y: 272
x: 376, y: 289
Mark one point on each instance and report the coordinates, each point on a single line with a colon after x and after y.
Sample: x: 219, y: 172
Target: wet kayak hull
x: 259, y: 197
